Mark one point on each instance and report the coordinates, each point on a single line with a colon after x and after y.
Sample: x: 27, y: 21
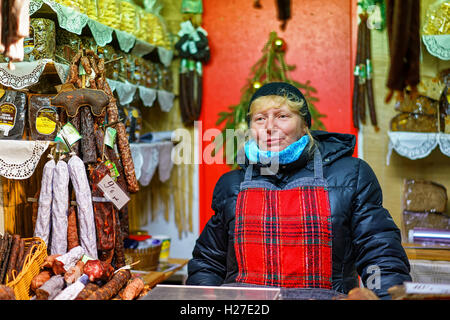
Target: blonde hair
x: 264, y: 103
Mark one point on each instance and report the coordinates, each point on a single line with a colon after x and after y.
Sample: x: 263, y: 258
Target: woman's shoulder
x: 229, y: 181
x: 227, y: 186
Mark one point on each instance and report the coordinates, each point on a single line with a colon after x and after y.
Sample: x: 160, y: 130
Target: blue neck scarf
x: 289, y: 154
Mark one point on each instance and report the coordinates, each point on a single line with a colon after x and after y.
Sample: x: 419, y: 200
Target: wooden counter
x: 152, y: 278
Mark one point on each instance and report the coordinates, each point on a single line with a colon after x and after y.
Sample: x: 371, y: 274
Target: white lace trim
x: 74, y: 21
x: 24, y: 75
x: 165, y: 99
x: 18, y: 158
x: 148, y: 157
x: 438, y: 45
x: 27, y: 73
x: 417, y: 145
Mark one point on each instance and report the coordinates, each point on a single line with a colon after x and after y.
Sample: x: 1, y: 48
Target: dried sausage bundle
x: 60, y: 207
x: 403, y: 28
x: 85, y: 209
x: 95, y: 69
x: 5, y: 251
x: 362, y: 84
x: 42, y: 228
x: 12, y: 256
x: 122, y: 140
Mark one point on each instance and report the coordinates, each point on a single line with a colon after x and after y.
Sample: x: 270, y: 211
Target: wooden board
x: 154, y: 277
x: 415, y: 252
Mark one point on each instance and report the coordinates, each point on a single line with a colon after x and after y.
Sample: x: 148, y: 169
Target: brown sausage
x: 72, y: 229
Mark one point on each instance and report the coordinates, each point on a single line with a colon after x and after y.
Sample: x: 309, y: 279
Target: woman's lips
x: 273, y: 141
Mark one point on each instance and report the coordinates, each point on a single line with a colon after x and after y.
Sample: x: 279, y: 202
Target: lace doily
x: 62, y: 70
x: 165, y: 56
x: 126, y: 40
x: 444, y: 143
x: 68, y: 18
x: 142, y: 48
x: 165, y: 99
x: 24, y: 75
x: 417, y: 145
x: 147, y: 95
x: 149, y: 167
x: 148, y: 157
x: 35, y: 5
x: 165, y: 161
x: 74, y: 21
x: 438, y: 45
x: 27, y: 74
x: 138, y: 159
x: 19, y: 158
x: 102, y: 34
x: 125, y: 91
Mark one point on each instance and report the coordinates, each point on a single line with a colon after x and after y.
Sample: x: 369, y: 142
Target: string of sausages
x: 403, y: 28
x: 363, y: 96
x: 96, y: 79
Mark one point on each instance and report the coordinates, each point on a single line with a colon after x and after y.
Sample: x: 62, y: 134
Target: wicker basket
x: 149, y: 258
x: 32, y: 266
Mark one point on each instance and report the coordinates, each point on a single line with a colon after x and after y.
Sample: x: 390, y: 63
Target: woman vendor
x: 301, y: 212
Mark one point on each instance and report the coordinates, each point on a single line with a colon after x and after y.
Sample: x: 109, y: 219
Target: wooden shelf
x: 417, y: 252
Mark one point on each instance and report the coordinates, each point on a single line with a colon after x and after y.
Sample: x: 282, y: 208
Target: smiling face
x: 274, y: 124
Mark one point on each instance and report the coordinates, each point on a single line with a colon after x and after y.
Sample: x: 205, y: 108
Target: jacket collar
x: 332, y: 147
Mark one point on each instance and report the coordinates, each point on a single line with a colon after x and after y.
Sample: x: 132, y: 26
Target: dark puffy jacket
x: 366, y: 240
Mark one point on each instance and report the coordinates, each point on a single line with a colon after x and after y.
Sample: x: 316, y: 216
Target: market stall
x: 71, y: 156
x: 92, y: 94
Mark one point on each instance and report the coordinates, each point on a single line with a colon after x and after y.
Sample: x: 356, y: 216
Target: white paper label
x: 113, y: 192
x: 426, y: 288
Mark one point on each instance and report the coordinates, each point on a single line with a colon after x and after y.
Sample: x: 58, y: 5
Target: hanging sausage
x: 193, y: 49
x: 403, y: 26
x: 363, y: 95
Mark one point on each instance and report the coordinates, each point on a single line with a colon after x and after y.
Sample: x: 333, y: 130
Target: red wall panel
x: 320, y: 41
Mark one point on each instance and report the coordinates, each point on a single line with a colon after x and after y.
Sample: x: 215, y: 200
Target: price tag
x: 113, y: 192
x: 426, y: 288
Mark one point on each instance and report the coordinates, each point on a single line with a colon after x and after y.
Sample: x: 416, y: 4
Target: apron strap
x: 249, y: 173
x: 318, y: 167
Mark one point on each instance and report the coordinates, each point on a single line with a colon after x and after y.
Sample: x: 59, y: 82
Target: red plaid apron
x: 283, y: 237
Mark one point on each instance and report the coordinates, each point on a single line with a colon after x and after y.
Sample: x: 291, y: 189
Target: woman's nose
x: 270, y: 123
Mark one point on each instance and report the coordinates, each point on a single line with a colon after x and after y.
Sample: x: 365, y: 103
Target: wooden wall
x: 435, y: 167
